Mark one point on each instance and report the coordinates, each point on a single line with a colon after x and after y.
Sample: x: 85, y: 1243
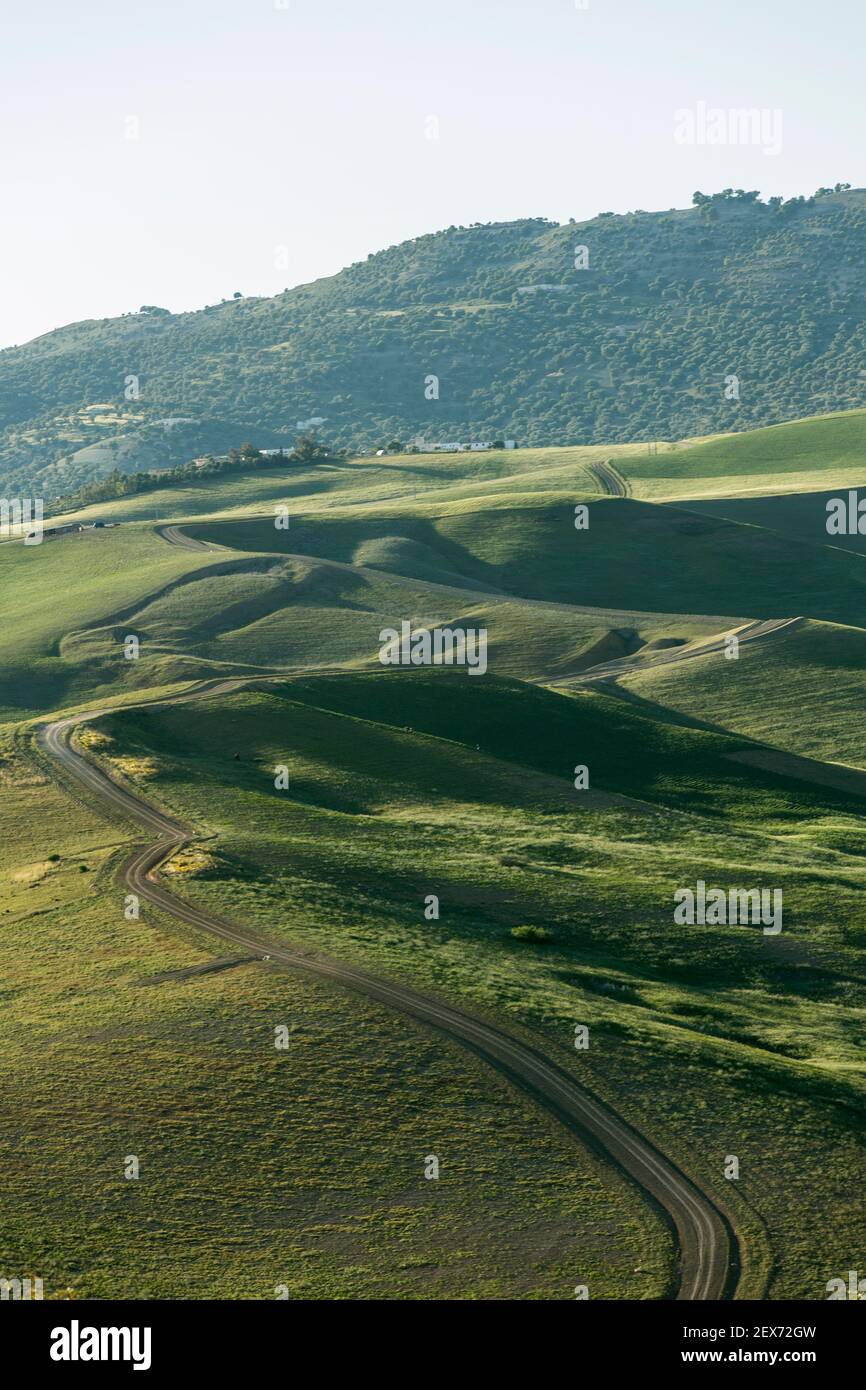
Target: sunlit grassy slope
x: 51, y: 590
x: 362, y: 481
x: 633, y: 556
x: 259, y: 1167
x: 722, y: 1039
x: 825, y: 442
x: 804, y: 691
x: 553, y: 599
x: 800, y: 456
x: 67, y: 606
x: 303, y: 1169
x: 297, y: 611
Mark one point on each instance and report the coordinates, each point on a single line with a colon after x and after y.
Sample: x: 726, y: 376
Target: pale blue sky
x: 305, y: 128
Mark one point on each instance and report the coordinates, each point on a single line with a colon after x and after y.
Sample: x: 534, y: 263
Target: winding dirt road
x: 708, y: 1261
x: 175, y: 536
x: 610, y: 480
x: 642, y: 660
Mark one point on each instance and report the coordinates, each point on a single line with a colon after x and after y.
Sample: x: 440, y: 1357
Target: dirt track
x: 708, y: 1263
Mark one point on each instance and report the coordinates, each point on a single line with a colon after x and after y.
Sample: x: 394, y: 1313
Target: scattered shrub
x: 540, y: 935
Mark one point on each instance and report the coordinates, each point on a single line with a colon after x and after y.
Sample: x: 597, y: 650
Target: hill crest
x: 506, y: 329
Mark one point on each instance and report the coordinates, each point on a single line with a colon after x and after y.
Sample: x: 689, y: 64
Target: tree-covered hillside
x: 523, y: 337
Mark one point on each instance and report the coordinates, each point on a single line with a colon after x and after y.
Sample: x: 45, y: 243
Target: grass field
x: 804, y: 692
x: 376, y: 818
x: 304, y: 1168
x: 69, y: 605
x: 257, y: 1167
x: 633, y: 556
x: 801, y: 456
x: 802, y: 515
x: 49, y: 592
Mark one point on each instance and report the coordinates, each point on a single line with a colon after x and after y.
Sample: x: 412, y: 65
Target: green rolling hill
x: 632, y: 556
x: 803, y: 692
x: 404, y: 786
x: 555, y: 903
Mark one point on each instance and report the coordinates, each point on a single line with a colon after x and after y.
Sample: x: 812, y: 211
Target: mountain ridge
x: 486, y: 331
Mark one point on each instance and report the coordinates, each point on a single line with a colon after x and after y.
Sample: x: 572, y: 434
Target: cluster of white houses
x: 419, y: 444
x: 458, y: 446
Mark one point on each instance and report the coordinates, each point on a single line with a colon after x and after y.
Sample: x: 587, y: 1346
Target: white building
x: 459, y: 446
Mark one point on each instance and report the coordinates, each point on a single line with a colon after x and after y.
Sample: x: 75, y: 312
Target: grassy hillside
x: 363, y: 481
x: 828, y: 442
x: 805, y: 456
x: 802, y: 514
x: 397, y: 793
x: 801, y: 456
x: 503, y: 553
x: 556, y: 904
x: 805, y: 691
x: 48, y: 592
x: 305, y: 613
x: 258, y: 1167
x: 633, y: 556
x: 635, y: 347
x: 68, y: 606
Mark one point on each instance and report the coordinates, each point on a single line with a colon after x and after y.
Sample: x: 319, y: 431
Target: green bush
x: 540, y: 935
